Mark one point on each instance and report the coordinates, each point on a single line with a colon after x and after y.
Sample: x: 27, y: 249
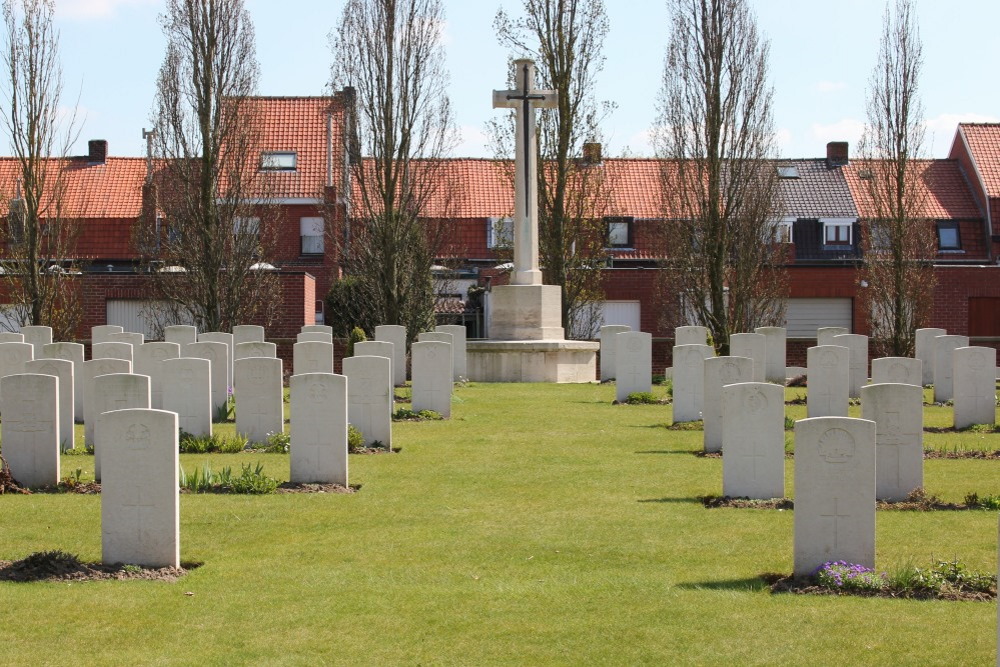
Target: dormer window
x: 837, y: 231
x: 278, y: 161
x: 619, y: 232
x: 948, y: 236
x: 783, y: 230
x: 788, y: 171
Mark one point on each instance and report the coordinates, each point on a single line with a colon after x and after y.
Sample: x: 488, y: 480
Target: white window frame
x: 247, y: 225
x: 311, y: 227
x: 499, y: 232
x: 838, y: 222
x: 279, y: 161
x: 627, y: 221
x: 782, y: 231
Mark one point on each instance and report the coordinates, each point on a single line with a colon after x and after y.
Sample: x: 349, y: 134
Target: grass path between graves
x: 540, y: 525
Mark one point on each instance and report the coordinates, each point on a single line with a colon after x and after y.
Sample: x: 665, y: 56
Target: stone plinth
x: 532, y: 360
x: 526, y: 312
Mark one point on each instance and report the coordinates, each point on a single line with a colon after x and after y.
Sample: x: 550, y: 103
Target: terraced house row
x: 306, y: 152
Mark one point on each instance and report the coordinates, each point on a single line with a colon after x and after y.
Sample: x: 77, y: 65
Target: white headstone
x: 719, y: 372
x: 11, y: 337
x: 633, y: 363
x: 944, y: 348
x: 834, y: 492
x: 777, y: 340
x: 218, y: 354
x: 317, y: 328
x: 974, y: 374
x: 116, y: 391
x: 824, y: 335
x: 130, y: 337
x: 70, y: 352
x: 255, y: 349
x: 99, y: 334
x: 753, y: 440
x: 187, y: 390
x: 858, y: 375
x: 897, y: 410
x: 458, y: 344
x: 897, y: 370
x: 90, y: 370
x: 182, y: 334
x: 312, y: 358
x: 752, y: 346
x: 608, y: 333
x: 62, y: 369
x: 259, y: 406
x: 395, y: 334
x: 227, y: 340
x: 432, y: 383
x: 377, y: 348
x: 370, y: 397
x: 437, y: 336
x: 314, y: 337
x: 829, y: 380
x: 689, y: 380
x: 37, y: 336
x: 30, y: 427
x: 13, y: 356
x: 140, y: 490
x: 318, y: 428
x: 148, y: 360
x: 924, y: 351
x: 112, y: 350
x: 248, y: 333
x: 692, y: 335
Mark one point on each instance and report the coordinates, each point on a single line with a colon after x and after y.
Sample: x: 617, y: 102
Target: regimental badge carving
x: 755, y: 401
x: 836, y: 446
x: 730, y: 372
x: 977, y: 360
x: 828, y: 359
x: 137, y: 436
x: 897, y: 373
x: 317, y: 393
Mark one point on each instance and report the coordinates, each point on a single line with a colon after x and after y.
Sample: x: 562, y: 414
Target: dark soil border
x: 918, y: 501
x: 782, y: 583
x: 56, y: 566
x: 978, y: 454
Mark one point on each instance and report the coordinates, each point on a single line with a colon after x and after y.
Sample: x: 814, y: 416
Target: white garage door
x: 621, y: 312
x: 131, y: 315
x: 804, y: 316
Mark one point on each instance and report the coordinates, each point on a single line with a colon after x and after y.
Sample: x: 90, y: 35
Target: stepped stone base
x: 532, y: 360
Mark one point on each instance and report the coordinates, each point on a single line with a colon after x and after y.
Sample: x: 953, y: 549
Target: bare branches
x: 566, y: 39
x: 899, y: 242
x: 390, y: 52
x: 217, y: 228
x: 39, y: 239
x: 720, y: 189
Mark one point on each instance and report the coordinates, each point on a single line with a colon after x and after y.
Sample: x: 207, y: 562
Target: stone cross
x: 525, y: 99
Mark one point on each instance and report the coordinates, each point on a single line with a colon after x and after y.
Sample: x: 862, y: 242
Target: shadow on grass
x: 748, y: 584
x: 669, y: 500
x: 663, y: 451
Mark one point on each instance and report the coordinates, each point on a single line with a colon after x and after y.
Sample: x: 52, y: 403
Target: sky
x: 822, y: 54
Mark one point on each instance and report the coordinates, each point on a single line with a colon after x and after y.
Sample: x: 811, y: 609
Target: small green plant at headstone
x: 357, y: 336
x: 131, y: 568
x: 406, y: 414
x: 641, y: 398
x: 278, y: 443
x: 355, y: 439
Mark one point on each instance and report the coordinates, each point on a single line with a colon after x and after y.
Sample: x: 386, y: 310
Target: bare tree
x: 40, y: 239
x: 899, y: 242
x: 566, y: 37
x: 719, y: 185
x: 208, y: 253
x: 390, y: 52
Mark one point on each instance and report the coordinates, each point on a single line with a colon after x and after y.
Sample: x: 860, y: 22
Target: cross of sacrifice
x: 835, y: 517
x: 525, y: 98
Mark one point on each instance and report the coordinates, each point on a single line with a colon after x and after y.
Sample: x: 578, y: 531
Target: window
x: 277, y: 161
x: 948, y: 236
x: 837, y: 231
x: 783, y: 230
x: 499, y: 232
x: 311, y: 231
x: 249, y: 226
x: 788, y: 171
x: 619, y: 232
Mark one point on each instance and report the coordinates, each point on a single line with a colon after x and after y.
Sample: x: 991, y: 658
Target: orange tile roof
x: 945, y: 189
x: 299, y: 124
x: 984, y: 144
x: 109, y: 190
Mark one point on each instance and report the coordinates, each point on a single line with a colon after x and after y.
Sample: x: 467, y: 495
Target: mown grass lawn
x: 540, y: 525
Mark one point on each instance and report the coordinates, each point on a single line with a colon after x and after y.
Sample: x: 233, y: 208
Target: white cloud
x: 92, y: 9
x: 830, y: 86
x: 640, y: 144
x: 783, y: 139
x: 473, y: 142
x: 846, y: 129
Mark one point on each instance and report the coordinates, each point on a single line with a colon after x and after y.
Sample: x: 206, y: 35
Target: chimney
x: 592, y: 154
x: 98, y: 151
x: 836, y: 154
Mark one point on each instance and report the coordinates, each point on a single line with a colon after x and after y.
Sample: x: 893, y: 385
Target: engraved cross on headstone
x: 525, y: 99
x: 835, y: 516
